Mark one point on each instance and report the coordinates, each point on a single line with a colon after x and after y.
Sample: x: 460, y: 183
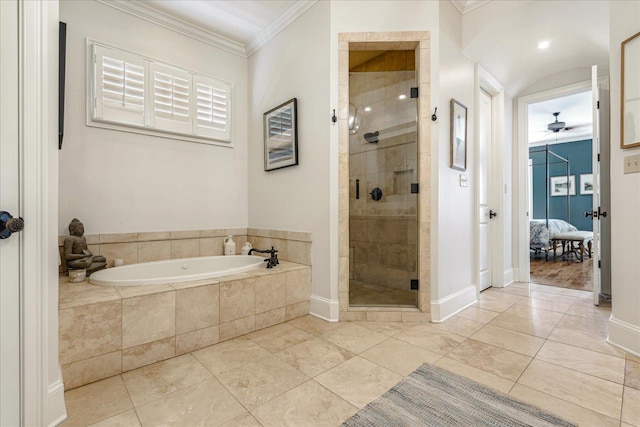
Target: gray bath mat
x: 431, y: 396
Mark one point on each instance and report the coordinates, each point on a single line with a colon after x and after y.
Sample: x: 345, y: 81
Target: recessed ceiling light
x: 367, y: 109
x: 543, y: 44
x: 403, y: 96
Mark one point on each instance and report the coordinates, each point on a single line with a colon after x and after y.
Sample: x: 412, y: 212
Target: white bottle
x: 246, y: 248
x: 229, y: 246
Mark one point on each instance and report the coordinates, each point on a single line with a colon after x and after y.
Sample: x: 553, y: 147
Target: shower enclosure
x: 383, y: 174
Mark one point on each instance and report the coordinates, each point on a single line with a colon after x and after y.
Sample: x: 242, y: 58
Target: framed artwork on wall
x: 458, y: 136
x: 559, y: 185
x: 586, y: 183
x: 281, y: 136
x: 630, y: 93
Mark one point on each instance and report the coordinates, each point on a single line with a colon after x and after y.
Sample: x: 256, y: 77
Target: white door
x: 9, y: 201
x: 601, y: 223
x: 484, y: 176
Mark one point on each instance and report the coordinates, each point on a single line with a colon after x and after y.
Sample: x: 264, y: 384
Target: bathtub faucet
x: 272, y: 261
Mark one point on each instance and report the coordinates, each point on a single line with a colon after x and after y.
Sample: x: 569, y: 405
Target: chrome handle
x: 492, y: 214
x: 9, y: 224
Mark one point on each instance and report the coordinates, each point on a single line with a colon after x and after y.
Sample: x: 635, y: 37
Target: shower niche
x: 383, y: 177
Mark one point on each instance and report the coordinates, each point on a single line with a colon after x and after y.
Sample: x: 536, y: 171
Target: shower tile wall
x: 382, y: 233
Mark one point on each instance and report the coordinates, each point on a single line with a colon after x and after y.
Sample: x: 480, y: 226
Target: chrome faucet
x: 272, y: 261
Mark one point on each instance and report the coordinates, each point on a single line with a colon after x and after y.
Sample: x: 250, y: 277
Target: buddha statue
x: 76, y: 252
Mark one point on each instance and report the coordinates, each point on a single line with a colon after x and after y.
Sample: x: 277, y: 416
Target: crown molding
x: 289, y: 15
x: 140, y: 10
x: 466, y: 6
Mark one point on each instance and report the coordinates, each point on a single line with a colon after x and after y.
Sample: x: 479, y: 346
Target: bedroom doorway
x: 563, y: 163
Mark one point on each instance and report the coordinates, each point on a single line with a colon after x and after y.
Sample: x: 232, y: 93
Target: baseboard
x: 448, y: 306
x: 624, y: 335
x: 324, y: 308
x: 516, y: 275
x: 56, y: 409
x: 508, y: 277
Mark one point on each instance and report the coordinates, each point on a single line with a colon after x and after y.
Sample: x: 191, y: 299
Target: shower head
x: 372, y: 137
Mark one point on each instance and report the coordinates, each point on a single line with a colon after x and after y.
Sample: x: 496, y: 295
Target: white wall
x: 624, y: 327
x: 118, y: 181
x: 456, y: 208
x: 295, y: 63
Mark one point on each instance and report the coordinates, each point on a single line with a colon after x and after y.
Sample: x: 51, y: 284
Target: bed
x: 540, y: 235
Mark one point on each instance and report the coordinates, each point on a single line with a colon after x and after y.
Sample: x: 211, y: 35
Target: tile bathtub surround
x: 311, y: 372
x: 133, y: 248
x: 108, y: 330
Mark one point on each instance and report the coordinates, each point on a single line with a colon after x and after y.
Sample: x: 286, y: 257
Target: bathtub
x: 175, y: 270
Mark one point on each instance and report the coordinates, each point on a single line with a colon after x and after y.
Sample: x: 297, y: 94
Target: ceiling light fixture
x: 543, y: 44
x: 556, y: 126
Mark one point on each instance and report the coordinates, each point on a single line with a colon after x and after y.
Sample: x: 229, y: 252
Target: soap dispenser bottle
x: 229, y: 246
x: 246, y: 248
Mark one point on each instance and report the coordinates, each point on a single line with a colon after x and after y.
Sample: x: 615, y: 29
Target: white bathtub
x: 175, y: 270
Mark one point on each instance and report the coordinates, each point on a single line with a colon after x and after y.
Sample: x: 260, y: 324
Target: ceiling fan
x: 556, y: 126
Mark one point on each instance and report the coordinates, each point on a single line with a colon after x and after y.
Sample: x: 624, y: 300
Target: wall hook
x: 334, y: 118
x: 434, y: 117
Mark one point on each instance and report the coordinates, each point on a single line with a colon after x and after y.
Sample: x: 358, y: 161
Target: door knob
x: 9, y: 224
x: 596, y: 214
x: 492, y: 214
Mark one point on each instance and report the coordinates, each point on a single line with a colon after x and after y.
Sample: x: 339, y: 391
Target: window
x: 138, y: 93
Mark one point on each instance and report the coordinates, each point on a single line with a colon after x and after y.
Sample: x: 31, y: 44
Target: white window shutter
x: 170, y: 98
x: 213, y: 108
x: 118, y: 86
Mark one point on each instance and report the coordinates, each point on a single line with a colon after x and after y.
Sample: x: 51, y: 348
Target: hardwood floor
x: 564, y: 273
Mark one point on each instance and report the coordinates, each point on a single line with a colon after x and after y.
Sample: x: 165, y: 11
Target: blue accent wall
x: 579, y: 155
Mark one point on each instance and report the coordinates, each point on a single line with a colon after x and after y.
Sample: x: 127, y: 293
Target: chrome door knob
x: 9, y: 224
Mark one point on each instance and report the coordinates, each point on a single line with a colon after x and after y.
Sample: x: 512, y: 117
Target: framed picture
x: 586, y: 183
x: 630, y: 93
x: 281, y: 136
x: 458, y: 136
x: 559, y: 185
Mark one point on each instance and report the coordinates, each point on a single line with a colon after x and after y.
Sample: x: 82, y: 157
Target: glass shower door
x: 383, y: 172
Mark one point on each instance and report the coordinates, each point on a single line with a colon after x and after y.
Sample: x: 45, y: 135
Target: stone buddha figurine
x: 76, y: 252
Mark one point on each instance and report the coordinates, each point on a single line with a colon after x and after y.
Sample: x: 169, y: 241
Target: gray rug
x: 431, y: 396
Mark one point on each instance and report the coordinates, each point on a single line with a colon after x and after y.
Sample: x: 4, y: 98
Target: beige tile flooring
x: 540, y: 344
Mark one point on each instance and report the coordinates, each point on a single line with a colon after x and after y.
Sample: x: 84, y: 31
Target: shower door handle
x: 357, y: 189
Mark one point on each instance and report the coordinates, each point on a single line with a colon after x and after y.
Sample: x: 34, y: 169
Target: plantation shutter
x: 213, y: 107
x: 170, y: 99
x: 119, y: 79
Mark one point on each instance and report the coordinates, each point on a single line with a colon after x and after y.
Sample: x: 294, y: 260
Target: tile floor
x: 363, y: 294
x: 540, y: 344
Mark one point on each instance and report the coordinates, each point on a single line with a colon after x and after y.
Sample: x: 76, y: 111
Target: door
x: 9, y: 201
x: 484, y: 172
x: 383, y: 170
x: 600, y: 159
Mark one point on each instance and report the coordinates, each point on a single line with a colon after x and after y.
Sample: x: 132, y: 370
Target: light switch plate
x: 463, y: 180
x: 632, y: 164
